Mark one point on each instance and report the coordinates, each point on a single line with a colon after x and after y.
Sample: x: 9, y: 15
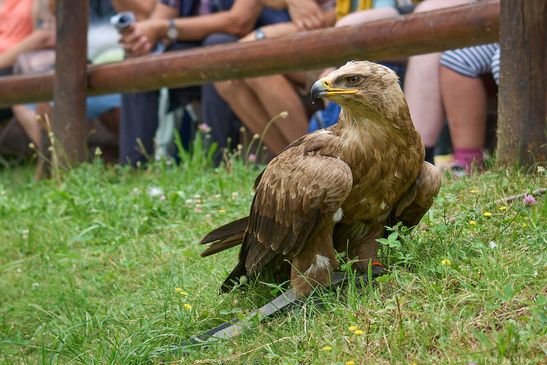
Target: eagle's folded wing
x: 294, y: 194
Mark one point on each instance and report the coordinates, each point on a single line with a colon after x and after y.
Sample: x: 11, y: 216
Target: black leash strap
x: 233, y: 329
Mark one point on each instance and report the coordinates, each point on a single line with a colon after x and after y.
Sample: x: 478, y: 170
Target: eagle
x: 335, y: 190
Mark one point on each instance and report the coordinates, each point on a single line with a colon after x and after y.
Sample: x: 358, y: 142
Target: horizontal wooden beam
x: 401, y: 37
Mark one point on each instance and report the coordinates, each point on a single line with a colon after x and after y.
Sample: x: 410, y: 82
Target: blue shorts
x: 96, y: 105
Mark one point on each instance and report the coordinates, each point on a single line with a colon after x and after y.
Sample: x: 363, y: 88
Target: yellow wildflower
x: 350, y: 362
x: 503, y: 207
x: 187, y: 306
x: 487, y: 214
x: 181, y: 292
x: 446, y: 262
x: 326, y: 348
x: 473, y: 191
x: 221, y: 211
x: 358, y: 332
x: 472, y: 222
x: 353, y: 328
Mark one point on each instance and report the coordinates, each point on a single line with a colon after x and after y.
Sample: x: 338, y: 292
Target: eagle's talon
x: 377, y: 269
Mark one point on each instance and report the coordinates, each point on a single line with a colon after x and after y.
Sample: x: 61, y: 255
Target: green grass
x: 89, y: 268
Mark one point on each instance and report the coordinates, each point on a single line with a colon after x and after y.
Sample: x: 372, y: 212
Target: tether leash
x: 235, y: 327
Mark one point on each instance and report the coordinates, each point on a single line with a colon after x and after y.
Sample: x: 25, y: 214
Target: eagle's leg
x: 359, y: 241
x: 314, y: 264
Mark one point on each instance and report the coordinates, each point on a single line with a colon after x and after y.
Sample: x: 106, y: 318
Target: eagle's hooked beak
x: 323, y: 88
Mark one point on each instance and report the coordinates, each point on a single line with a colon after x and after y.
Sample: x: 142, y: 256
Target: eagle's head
x: 362, y: 87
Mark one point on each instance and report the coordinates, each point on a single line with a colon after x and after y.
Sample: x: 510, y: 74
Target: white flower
x: 492, y: 244
x: 154, y: 191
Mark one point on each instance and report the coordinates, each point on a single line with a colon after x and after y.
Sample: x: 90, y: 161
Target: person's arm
x: 281, y: 29
x: 142, y: 8
x: 271, y: 31
x: 38, y: 39
x: 238, y: 21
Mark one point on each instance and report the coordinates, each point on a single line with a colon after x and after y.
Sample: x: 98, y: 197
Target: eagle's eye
x: 353, y: 79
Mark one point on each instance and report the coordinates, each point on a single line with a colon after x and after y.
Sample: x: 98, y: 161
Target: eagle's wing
x: 296, y: 190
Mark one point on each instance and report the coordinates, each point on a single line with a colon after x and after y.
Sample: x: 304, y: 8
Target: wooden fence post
x: 523, y: 79
x: 69, y: 124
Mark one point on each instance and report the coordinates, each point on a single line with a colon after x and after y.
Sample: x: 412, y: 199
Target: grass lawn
x: 90, y: 266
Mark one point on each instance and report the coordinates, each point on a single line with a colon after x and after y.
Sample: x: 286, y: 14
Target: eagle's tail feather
x: 227, y: 236
x: 234, y: 278
x: 219, y: 246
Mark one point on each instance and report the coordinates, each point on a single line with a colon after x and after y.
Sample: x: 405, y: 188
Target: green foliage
x: 103, y: 267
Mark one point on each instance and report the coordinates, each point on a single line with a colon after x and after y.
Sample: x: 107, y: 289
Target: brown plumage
x: 337, y: 188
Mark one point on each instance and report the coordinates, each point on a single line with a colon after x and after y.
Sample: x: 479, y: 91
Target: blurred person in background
x: 464, y: 98
x: 177, y: 25
x: 422, y: 86
x: 25, y: 26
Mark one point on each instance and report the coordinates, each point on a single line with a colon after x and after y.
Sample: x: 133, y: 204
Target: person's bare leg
x: 277, y: 94
x: 464, y: 100
x: 422, y: 88
x: 423, y: 96
x: 250, y: 111
x: 27, y: 119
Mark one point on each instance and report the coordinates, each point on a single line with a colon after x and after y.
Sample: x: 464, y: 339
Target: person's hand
x: 138, y: 39
x: 305, y: 14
